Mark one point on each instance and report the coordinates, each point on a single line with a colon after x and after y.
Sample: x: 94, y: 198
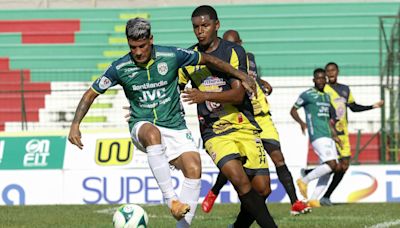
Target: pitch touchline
x: 385, y: 224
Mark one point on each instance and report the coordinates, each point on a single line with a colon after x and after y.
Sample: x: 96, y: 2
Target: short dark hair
x: 137, y: 29
x: 205, y: 10
x: 317, y: 71
x: 332, y: 63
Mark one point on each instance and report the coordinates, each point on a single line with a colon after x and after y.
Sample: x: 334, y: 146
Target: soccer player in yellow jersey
x: 341, y: 98
x: 227, y: 126
x: 269, y: 136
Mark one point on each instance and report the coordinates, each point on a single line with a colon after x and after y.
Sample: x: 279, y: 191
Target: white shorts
x: 325, y: 148
x: 176, y: 142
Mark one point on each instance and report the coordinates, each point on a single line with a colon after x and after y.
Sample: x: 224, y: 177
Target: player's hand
x: 250, y: 85
x: 267, y: 87
x: 303, y: 128
x: 193, y: 96
x: 378, y: 104
x: 75, y: 136
x: 338, y: 141
x: 127, y: 116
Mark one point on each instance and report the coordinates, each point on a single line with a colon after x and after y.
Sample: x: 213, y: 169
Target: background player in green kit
x: 269, y: 137
x: 318, y: 112
x: 148, y: 75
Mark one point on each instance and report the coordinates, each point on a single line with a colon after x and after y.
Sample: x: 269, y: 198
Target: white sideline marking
x: 386, y: 224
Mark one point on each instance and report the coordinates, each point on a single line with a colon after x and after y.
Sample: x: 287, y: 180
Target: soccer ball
x: 130, y: 216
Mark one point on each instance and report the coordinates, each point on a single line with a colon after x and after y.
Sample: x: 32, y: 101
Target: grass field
x: 343, y: 215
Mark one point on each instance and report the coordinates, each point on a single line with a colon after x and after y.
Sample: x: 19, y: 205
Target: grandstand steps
x: 48, y: 38
x: 15, y: 102
x: 93, y: 49
x: 27, y: 86
x: 55, y: 62
x: 4, y: 63
x: 14, y: 75
x: 39, y: 25
x: 64, y: 75
x: 14, y: 14
x: 15, y: 114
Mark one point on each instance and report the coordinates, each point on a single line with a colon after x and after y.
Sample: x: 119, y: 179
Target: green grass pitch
x: 97, y: 216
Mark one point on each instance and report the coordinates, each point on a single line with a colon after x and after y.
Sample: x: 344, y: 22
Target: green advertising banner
x: 41, y: 152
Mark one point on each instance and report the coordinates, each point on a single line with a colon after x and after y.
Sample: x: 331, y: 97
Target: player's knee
x: 277, y: 157
x: 265, y: 192
x: 193, y: 170
x: 333, y: 165
x: 242, y: 185
x: 149, y: 135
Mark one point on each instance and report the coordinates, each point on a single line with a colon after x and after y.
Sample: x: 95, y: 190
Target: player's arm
x: 296, y: 117
x: 83, y: 107
x: 360, y: 108
x: 99, y: 86
x: 219, y: 65
x: 354, y: 107
x: 232, y: 96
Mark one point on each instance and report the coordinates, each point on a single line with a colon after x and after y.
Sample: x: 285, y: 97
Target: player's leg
x: 260, y: 183
x: 319, y: 189
x: 337, y: 178
x: 345, y: 154
x: 326, y: 151
x: 256, y: 168
x: 212, y: 194
x: 147, y: 138
x: 182, y: 153
x: 225, y: 153
x: 270, y: 139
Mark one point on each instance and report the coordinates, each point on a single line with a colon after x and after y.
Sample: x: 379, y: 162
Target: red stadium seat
x: 43, y: 31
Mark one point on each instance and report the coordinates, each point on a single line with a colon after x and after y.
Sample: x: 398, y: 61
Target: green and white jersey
x: 152, y: 88
x: 317, y: 107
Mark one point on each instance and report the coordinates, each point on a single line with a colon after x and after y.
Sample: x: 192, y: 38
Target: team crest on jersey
x: 104, y: 83
x: 162, y: 68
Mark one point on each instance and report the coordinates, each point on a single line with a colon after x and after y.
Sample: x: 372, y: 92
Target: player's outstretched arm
x: 83, y: 107
x: 296, y: 117
x: 354, y: 107
x: 217, y: 64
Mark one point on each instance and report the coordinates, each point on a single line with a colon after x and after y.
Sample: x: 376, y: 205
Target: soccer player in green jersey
x: 227, y: 125
x: 318, y: 112
x: 148, y: 75
x: 269, y: 137
x: 341, y: 98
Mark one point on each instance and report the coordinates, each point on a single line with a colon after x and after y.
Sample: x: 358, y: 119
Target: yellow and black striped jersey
x: 215, y: 118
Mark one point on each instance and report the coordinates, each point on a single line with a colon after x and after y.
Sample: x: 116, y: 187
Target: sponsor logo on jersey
x: 213, y: 81
x: 119, y: 66
x: 149, y: 85
x: 162, y: 68
x: 299, y: 101
x: 104, y: 83
x: 165, y: 54
x: 131, y: 69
